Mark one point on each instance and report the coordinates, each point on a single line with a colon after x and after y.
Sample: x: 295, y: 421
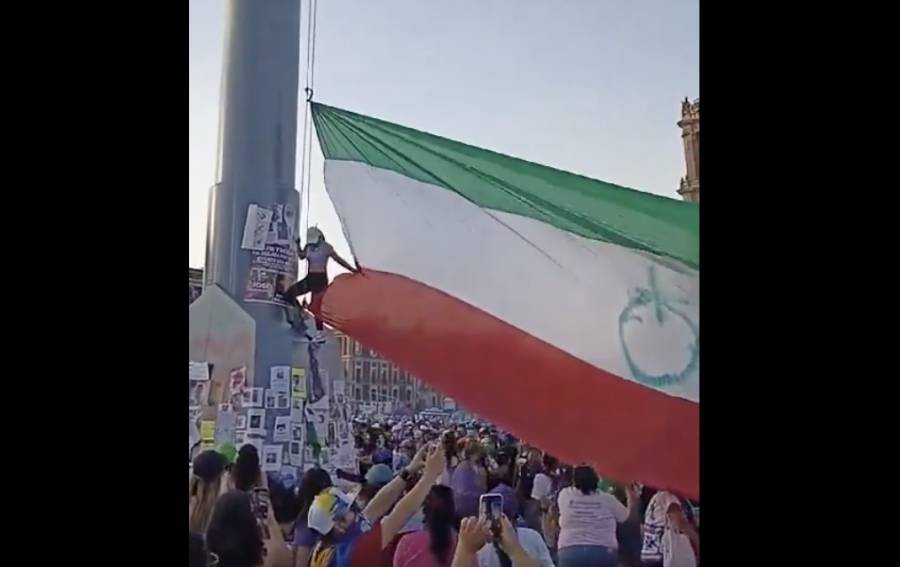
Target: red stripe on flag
x: 531, y: 388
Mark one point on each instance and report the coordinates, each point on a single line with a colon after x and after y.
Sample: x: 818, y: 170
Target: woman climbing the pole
x: 317, y: 252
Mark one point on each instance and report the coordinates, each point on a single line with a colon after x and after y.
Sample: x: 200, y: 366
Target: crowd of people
x: 421, y: 498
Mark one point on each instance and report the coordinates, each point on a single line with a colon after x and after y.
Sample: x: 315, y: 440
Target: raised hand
x: 435, y: 462
x: 418, y: 460
x: 509, y: 541
x: 473, y: 534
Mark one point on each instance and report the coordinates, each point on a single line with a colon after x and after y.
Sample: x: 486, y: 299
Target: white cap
x: 328, y: 505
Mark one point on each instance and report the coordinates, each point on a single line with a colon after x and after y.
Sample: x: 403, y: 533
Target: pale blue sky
x: 590, y: 86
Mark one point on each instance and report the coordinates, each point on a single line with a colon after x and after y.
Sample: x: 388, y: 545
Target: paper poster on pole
x: 253, y: 398
x: 237, y: 386
x: 296, y: 431
x: 256, y: 228
x: 281, y: 227
x: 256, y: 421
x: 225, y: 426
x: 270, y: 399
x: 297, y: 414
x: 282, y: 432
x: 290, y: 475
x: 207, y: 430
x: 298, y: 383
x: 280, y: 378
x: 273, y: 267
x: 271, y: 458
x: 296, y: 452
x: 198, y: 371
x: 238, y: 380
x: 198, y: 394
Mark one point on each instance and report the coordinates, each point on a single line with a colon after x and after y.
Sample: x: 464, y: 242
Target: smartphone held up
x: 490, y: 508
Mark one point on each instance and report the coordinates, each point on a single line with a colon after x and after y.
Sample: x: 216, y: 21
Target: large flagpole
x: 255, y: 165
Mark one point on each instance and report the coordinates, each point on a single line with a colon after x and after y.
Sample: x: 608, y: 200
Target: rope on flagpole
x: 306, y: 151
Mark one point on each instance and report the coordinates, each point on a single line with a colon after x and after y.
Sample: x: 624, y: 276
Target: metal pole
x: 257, y: 131
x: 255, y: 164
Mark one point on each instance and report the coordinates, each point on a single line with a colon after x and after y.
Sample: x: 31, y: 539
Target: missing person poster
x: 273, y: 261
x: 256, y: 227
x: 298, y: 383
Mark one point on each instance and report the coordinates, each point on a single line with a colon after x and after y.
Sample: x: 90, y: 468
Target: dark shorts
x: 314, y: 282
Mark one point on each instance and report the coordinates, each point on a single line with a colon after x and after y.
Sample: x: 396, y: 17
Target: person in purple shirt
x: 468, y: 480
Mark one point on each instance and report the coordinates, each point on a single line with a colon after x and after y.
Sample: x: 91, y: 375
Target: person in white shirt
x: 544, y: 482
x: 530, y: 540
x: 543, y: 490
x: 667, y: 534
x: 475, y: 537
x: 587, y: 521
x: 317, y: 252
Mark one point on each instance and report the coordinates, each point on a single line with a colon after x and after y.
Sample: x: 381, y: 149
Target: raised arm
x: 337, y: 258
x: 473, y: 534
x: 301, y: 250
x: 389, y: 493
x: 412, y: 502
x: 633, y: 500
x: 509, y: 542
x: 278, y: 554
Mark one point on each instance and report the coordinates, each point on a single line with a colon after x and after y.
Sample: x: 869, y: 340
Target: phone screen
x: 491, y: 509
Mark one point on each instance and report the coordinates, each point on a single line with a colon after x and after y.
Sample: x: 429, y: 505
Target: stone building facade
x: 689, y: 188
x: 372, y: 378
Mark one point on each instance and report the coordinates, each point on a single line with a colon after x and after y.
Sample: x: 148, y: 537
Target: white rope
x: 306, y: 151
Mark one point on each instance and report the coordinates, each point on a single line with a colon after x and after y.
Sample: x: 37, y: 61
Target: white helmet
x: 314, y: 235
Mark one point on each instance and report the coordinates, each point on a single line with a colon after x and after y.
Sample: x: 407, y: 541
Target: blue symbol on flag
x: 640, y: 300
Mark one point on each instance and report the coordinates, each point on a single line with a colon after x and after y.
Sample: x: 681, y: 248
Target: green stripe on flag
x: 580, y: 205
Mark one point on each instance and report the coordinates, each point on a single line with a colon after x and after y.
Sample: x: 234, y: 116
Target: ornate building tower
x: 689, y: 188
